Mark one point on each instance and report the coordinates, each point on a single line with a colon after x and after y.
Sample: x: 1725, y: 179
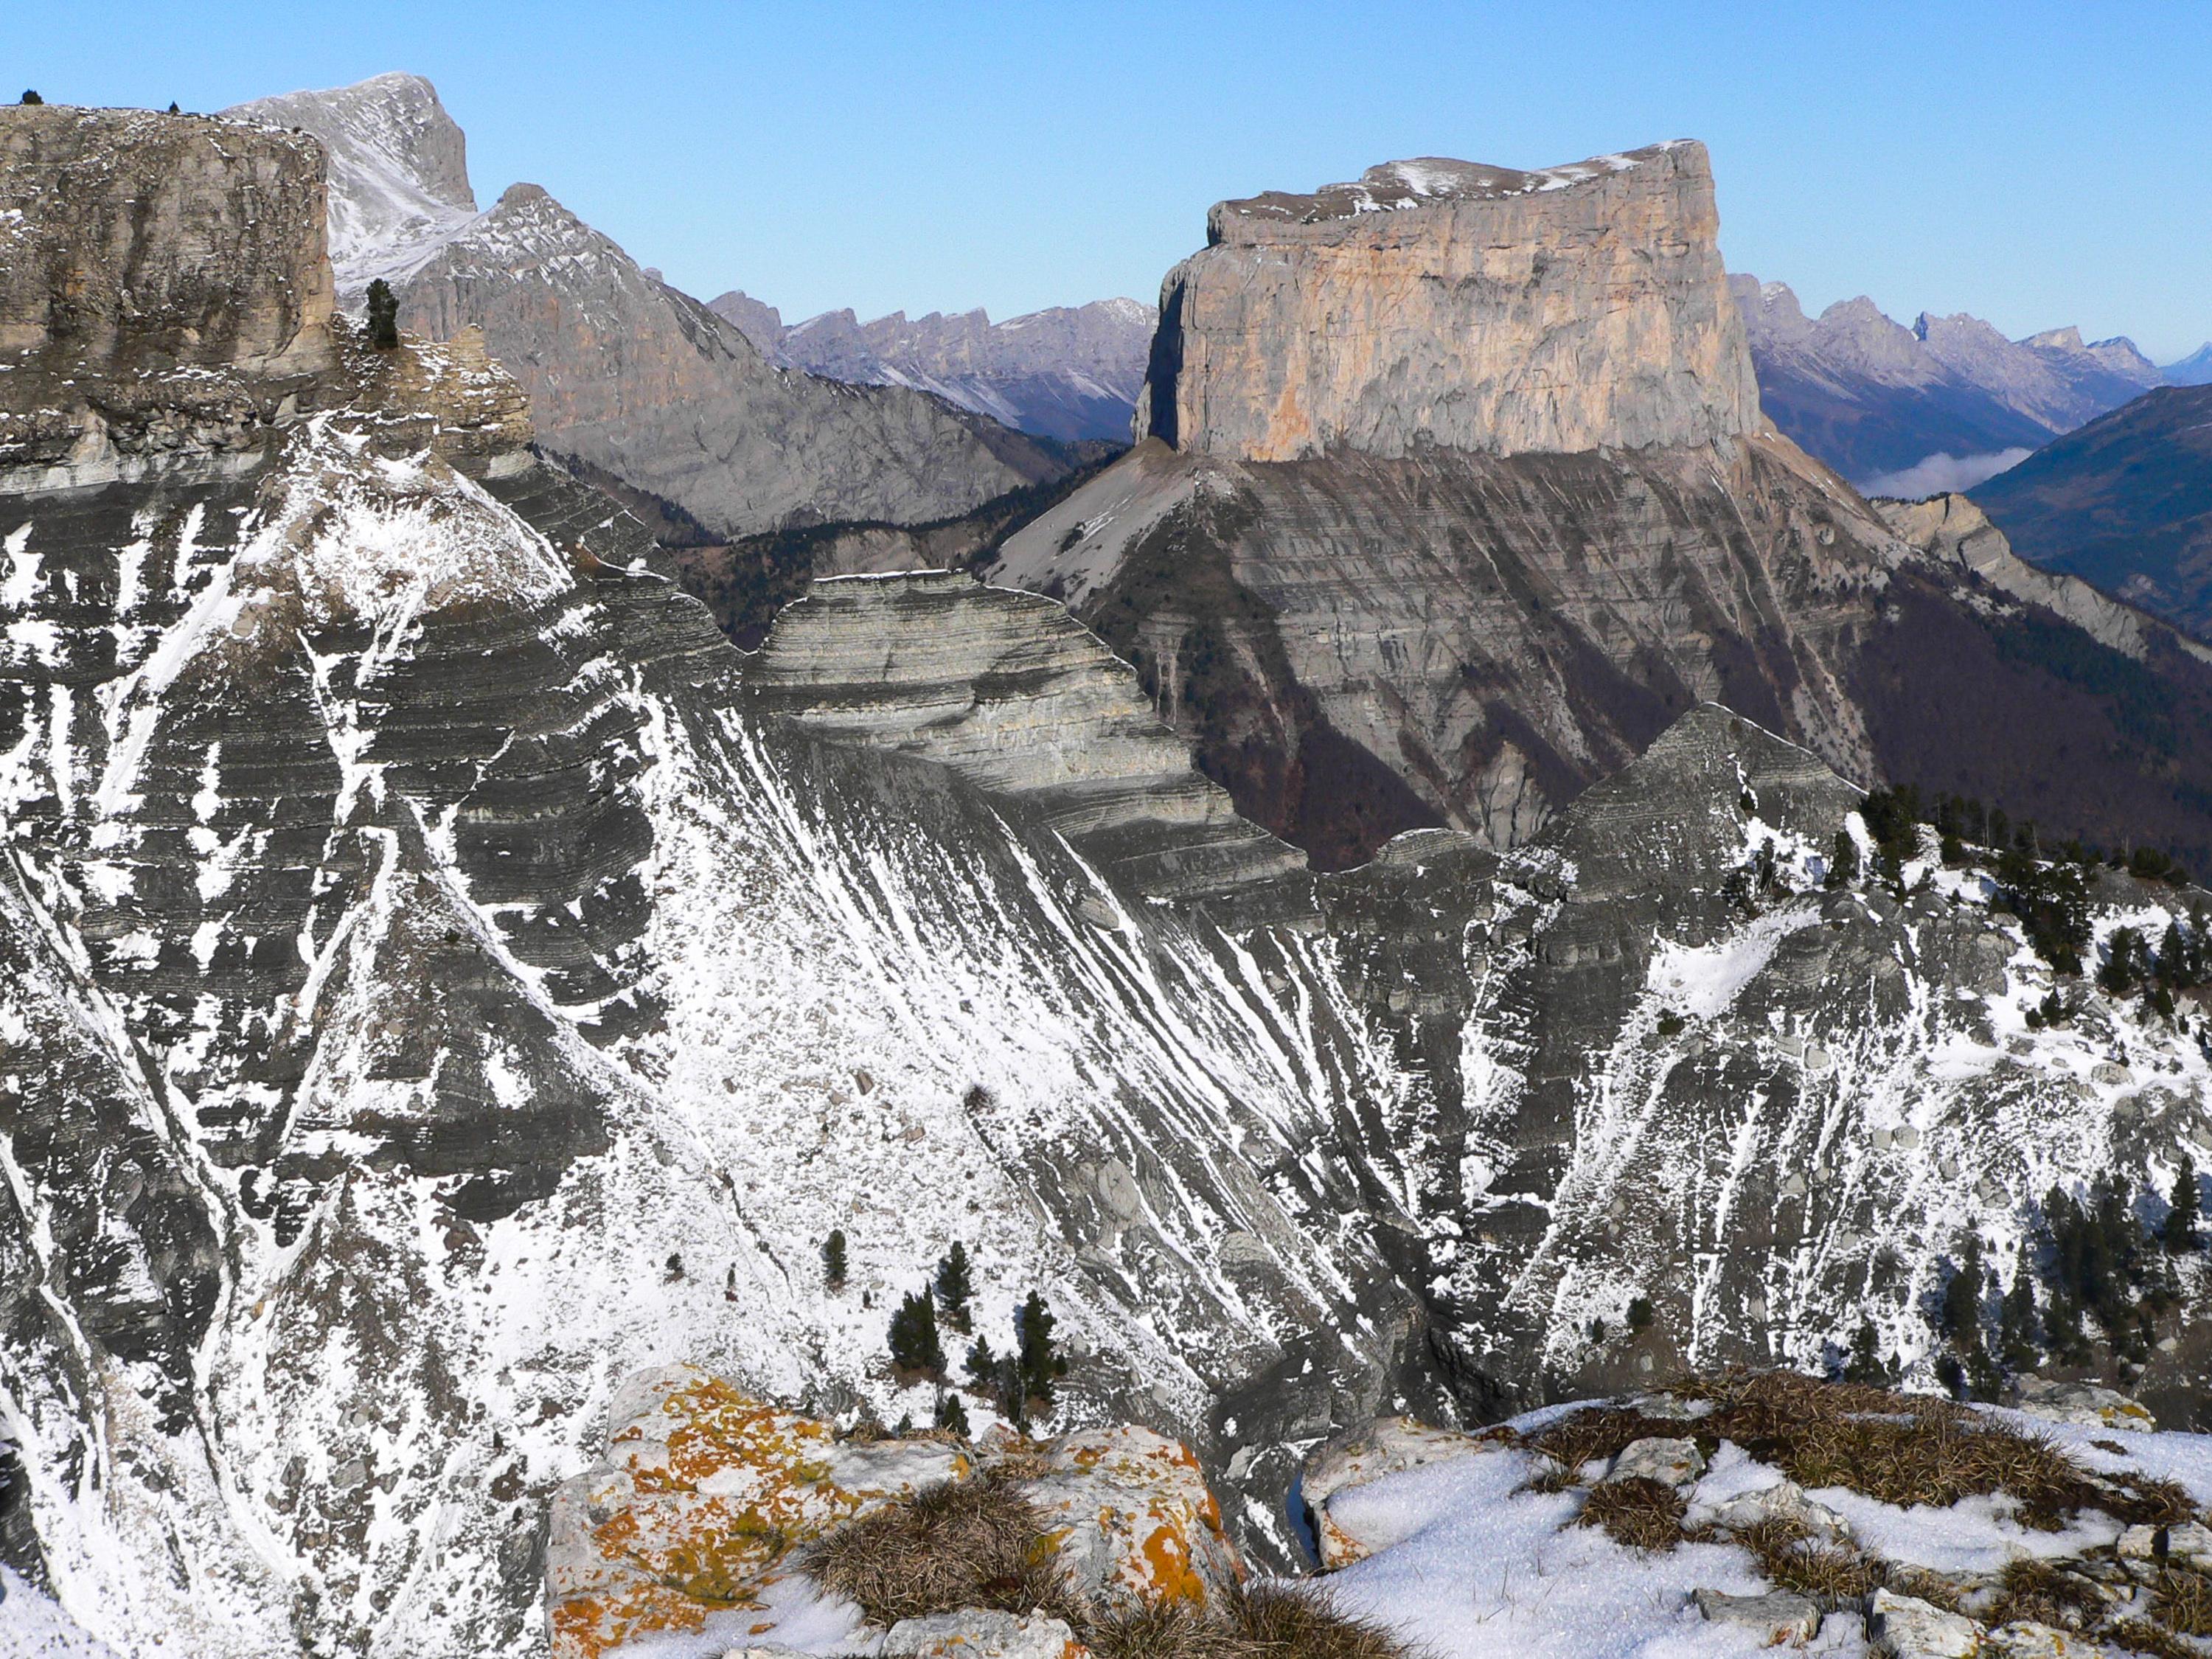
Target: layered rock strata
x: 1440, y: 303
x: 445, y: 978
x: 1458, y: 494
x: 163, y: 289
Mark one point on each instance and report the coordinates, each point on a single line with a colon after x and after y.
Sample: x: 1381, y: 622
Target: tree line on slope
x: 1020, y: 1383
x: 2108, y: 1273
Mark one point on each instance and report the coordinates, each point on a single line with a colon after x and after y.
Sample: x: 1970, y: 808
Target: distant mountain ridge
x: 1875, y: 398
x: 2125, y: 503
x: 624, y: 374
x: 1070, y: 371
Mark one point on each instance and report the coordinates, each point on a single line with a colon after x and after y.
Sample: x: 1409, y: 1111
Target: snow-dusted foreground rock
x: 1479, y: 1554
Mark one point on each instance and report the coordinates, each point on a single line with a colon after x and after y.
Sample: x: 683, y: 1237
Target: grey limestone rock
x: 1438, y: 303
x: 1779, y: 1618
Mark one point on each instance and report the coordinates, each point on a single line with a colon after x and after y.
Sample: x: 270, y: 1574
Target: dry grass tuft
x: 2182, y: 1600
x: 957, y: 1544
x: 1645, y: 1515
x: 1903, y: 1448
x: 1832, y: 1574
x: 980, y: 1544
x: 1271, y: 1621
x: 2038, y: 1591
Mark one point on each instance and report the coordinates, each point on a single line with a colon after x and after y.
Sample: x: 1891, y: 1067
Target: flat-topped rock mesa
x: 1441, y: 303
x: 162, y: 277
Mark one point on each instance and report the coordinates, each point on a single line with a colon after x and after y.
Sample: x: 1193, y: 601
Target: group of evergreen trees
x: 2104, y: 1277
x: 2046, y: 888
x: 1020, y: 1383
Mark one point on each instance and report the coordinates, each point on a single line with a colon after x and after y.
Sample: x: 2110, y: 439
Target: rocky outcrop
x: 1071, y: 373
x: 2125, y: 503
x: 1011, y: 693
x: 624, y: 372
x: 1953, y: 527
x: 163, y: 289
x: 1876, y: 399
x: 1458, y: 600
x: 702, y: 1517
x: 1440, y: 304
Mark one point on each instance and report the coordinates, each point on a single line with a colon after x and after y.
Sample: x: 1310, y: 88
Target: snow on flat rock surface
x: 1469, y: 1566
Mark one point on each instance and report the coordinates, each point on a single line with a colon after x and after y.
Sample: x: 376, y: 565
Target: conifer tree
x: 1843, y: 865
x: 1962, y: 1297
x: 33, y: 98
x: 1866, y: 1364
x: 983, y: 1365
x: 383, y: 316
x: 952, y: 1415
x: 955, y: 1287
x: 913, y: 1341
x: 833, y: 1260
x: 1036, y: 1362
x: 2181, y: 1218
x: 2016, y: 1320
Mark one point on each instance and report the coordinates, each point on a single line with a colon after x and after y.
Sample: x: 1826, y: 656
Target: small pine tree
x: 383, y: 316
x: 1036, y: 1359
x: 173, y: 110
x: 1866, y: 1363
x: 1640, y: 1314
x: 952, y: 1415
x: 913, y: 1341
x: 955, y: 1287
x: 833, y: 1260
x: 983, y: 1365
x: 2185, y: 1207
x: 2016, y: 1321
x: 1844, y: 863
x: 30, y: 97
x: 1962, y: 1298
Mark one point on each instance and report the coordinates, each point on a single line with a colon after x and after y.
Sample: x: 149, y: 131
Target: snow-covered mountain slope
x: 1070, y: 371
x: 448, y: 986
x: 622, y: 372
x: 398, y: 170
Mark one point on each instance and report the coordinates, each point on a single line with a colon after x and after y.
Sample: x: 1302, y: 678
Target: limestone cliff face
x: 163, y: 283
x: 1459, y: 494
x: 1437, y: 303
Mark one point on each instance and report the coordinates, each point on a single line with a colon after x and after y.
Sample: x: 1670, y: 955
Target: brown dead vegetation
x: 980, y: 1543
x: 1275, y: 1621
x: 1643, y: 1513
x: 958, y: 1544
x: 1902, y: 1448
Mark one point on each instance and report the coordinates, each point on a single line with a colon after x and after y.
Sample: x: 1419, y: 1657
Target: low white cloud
x: 1940, y: 473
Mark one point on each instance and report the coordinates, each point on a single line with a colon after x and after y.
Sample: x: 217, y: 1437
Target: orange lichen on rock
x: 704, y: 1493
x: 1129, y: 1512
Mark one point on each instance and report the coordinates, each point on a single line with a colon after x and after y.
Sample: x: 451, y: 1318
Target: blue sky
x: 2036, y: 164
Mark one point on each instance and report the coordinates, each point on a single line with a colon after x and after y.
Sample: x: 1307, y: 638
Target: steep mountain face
x: 163, y: 289
x: 624, y: 372
x: 1949, y: 396
x: 2125, y: 502
x: 1069, y: 372
x: 1399, y: 577
x: 1430, y: 305
x: 399, y: 164
x: 443, y: 976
